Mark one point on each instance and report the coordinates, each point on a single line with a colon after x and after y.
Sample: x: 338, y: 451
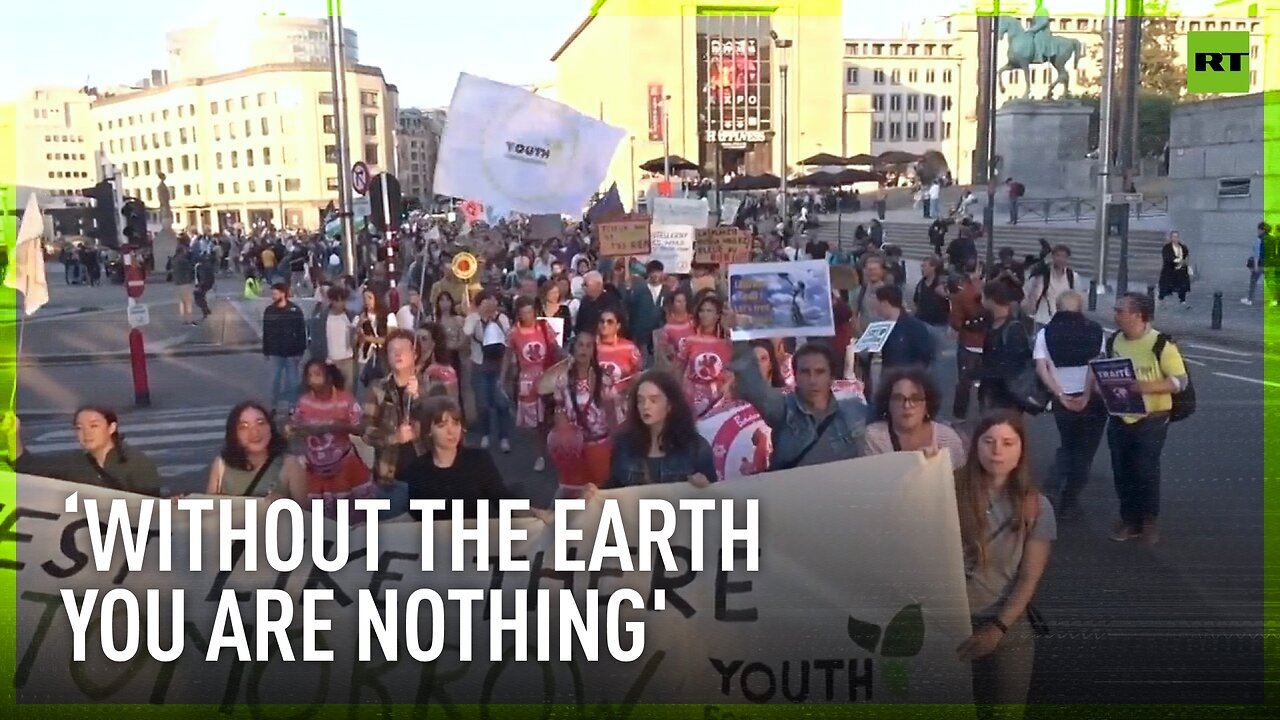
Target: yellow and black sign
x: 464, y: 266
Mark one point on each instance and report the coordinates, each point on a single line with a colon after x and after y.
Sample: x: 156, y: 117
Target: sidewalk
x: 916, y: 215
x: 1243, y: 327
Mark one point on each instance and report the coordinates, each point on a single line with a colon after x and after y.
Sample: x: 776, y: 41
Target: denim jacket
x: 628, y: 469
x: 793, y: 425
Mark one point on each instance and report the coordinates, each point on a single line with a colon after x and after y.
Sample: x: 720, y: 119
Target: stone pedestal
x: 1043, y: 145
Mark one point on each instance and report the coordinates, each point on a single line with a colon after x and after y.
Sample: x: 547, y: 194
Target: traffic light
x: 104, y: 213
x: 134, y: 213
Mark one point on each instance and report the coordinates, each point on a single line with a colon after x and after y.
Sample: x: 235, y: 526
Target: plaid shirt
x: 385, y: 410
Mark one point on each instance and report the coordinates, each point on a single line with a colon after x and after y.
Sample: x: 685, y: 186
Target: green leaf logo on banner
x: 902, y: 638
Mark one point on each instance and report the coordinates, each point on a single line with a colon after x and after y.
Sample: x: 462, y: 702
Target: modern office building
x: 54, y: 154
x: 230, y: 44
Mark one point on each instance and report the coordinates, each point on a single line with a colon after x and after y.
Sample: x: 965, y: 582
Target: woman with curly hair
x: 906, y: 407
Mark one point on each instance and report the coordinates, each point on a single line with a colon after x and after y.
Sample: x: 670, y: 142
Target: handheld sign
x: 721, y: 246
x: 464, y: 266
x: 624, y: 238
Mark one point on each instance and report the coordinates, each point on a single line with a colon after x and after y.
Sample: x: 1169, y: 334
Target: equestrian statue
x: 1037, y: 46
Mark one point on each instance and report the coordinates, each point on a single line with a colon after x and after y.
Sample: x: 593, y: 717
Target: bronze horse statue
x: 1023, y: 54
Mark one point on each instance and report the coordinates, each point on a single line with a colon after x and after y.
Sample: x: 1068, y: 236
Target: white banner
x: 510, y: 148
x: 860, y: 569
x: 729, y: 210
x: 673, y: 246
x: 681, y: 211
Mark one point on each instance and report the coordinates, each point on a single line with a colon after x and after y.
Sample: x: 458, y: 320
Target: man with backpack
x: 1044, y: 288
x: 1136, y: 441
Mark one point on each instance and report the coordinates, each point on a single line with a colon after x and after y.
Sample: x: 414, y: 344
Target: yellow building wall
x: 632, y: 43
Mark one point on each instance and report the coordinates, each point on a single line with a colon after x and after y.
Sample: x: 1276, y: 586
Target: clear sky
x: 421, y: 45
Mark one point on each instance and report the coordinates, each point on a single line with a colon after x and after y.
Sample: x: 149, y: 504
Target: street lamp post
x: 1104, y: 140
x: 633, y: 173
x: 280, y: 203
x: 992, y: 86
x: 782, y: 46
x: 338, y: 70
x: 666, y: 139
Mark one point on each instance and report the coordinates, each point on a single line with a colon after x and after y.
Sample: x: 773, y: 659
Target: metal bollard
x: 1215, y: 322
x: 1093, y: 296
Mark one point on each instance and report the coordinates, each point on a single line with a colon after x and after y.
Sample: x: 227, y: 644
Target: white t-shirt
x: 1070, y: 379
x: 337, y: 335
x: 404, y: 317
x: 494, y: 333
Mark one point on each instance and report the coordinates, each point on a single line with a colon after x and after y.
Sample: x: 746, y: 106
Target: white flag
x: 515, y: 150
x: 26, y: 270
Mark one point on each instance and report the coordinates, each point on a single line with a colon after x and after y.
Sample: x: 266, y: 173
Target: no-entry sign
x: 134, y: 281
x: 360, y: 178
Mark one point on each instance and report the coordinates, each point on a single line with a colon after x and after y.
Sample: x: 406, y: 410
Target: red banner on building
x: 656, y: 126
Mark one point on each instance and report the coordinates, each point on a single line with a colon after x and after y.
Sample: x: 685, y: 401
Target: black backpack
x: 1184, y: 401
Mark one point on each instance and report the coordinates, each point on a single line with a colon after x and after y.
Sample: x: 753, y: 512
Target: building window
x: 268, y: 186
x: 248, y: 157
x: 930, y: 76
x: 877, y: 130
x: 368, y: 99
x: 213, y: 110
x: 182, y: 110
x: 329, y: 125
x: 167, y: 139
x: 331, y: 183
x: 1253, y: 52
x: 253, y: 186
x: 371, y: 153
x: 913, y: 131
x: 331, y: 153
x: 248, y: 129
x: 217, y: 160
x: 191, y: 111
x: 877, y: 77
x: 946, y: 103
x: 895, y: 131
x: 370, y: 124
x: 895, y: 103
x: 913, y: 76
x: 266, y: 156
x: 930, y: 103
x: 146, y: 167
x: 182, y: 136
x: 877, y: 102
x: 149, y: 194
x: 231, y: 131
x: 133, y: 144
x: 895, y: 77
x: 266, y: 127
x: 135, y: 169
x: 186, y: 190
x: 930, y: 130
x: 946, y: 76
x: 292, y: 185
x: 1253, y: 78
x: 235, y: 188
x: 262, y: 99
x: 112, y: 145
x: 325, y: 98
x: 913, y: 102
x: 226, y: 105
x: 235, y: 159
x: 195, y: 165
x: 168, y: 165
x: 946, y: 131
x: 217, y: 133
x: 851, y: 75
x: 186, y: 162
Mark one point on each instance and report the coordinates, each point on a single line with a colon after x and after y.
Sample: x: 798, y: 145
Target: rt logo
x: 1219, y: 62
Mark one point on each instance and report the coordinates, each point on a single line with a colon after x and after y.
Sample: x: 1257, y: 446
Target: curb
x: 114, y: 357
x: 1206, y: 335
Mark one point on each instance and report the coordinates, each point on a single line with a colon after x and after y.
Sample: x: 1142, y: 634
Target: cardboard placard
x: 624, y: 238
x: 721, y: 246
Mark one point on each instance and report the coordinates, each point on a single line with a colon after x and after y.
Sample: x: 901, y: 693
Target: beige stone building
x: 717, y: 77
x: 253, y: 145
x: 924, y: 87
x: 417, y: 147
x: 232, y: 43
x: 54, y: 152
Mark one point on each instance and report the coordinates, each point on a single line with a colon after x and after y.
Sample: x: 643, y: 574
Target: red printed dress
x: 334, y: 470
x: 532, y: 347
x: 441, y: 379
x: 621, y: 361
x: 580, y: 446
x: 673, y: 334
x: 704, y: 359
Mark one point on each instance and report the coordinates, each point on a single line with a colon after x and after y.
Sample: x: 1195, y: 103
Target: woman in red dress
x: 619, y: 357
x: 581, y: 444
x: 677, y: 325
x: 704, y: 356
x: 533, y: 349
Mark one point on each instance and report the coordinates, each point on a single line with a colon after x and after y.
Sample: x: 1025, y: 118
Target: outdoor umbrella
x: 766, y: 181
x: 818, y: 179
x: 862, y: 159
x: 851, y: 176
x: 897, y: 157
x: 824, y: 159
x: 678, y: 164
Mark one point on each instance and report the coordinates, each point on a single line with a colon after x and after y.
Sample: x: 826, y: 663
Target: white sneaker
x: 1246, y: 301
x: 539, y: 465
x: 505, y: 445
x: 484, y: 443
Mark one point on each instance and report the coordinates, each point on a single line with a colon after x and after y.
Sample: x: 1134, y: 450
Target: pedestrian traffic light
x: 135, y: 221
x: 104, y: 227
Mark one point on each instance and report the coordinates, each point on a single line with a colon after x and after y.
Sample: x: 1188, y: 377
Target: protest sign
x: 624, y: 238
x: 545, y: 227
x: 729, y: 209
x: 782, y: 299
x: 1118, y: 382
x: 672, y: 245
x: 721, y: 246
x: 681, y: 211
x: 874, y: 337
x: 508, y: 147
x: 557, y: 325
x: 858, y: 560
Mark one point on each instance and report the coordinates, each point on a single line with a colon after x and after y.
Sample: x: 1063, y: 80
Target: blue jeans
x: 1135, y: 465
x: 285, y: 380
x: 493, y: 408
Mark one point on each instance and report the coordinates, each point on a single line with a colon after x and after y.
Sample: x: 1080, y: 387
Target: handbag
x: 1029, y: 391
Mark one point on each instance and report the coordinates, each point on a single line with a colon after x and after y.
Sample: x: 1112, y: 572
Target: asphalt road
x: 1178, y: 622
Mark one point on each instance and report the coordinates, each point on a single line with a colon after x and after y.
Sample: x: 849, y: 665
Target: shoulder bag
x: 822, y: 428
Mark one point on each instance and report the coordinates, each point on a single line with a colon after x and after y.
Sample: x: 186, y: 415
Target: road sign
x: 1123, y: 198
x: 134, y: 282
x: 385, y: 188
x: 361, y: 207
x: 360, y: 178
x: 139, y: 315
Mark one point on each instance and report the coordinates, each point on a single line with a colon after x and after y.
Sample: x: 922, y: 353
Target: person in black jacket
x: 205, y: 278
x: 931, y: 300
x: 284, y: 342
x: 1007, y: 349
x: 910, y: 343
x: 594, y: 302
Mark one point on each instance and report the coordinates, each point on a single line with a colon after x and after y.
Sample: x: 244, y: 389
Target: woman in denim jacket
x: 660, y: 443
